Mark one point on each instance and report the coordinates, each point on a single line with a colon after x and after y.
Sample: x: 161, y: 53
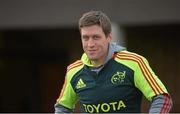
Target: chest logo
x: 80, y: 84
x: 118, y: 78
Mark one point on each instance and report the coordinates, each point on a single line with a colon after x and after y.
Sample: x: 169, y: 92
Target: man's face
x: 95, y: 43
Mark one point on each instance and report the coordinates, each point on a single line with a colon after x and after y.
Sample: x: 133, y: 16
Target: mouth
x: 91, y: 52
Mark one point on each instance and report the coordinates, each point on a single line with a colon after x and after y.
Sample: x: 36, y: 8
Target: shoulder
x: 130, y: 59
x: 73, y: 68
x: 127, y: 55
x: 74, y: 65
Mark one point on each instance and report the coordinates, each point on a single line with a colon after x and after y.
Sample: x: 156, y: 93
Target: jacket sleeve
x: 67, y: 96
x: 152, y: 88
x: 161, y: 104
x: 59, y: 109
x: 147, y: 81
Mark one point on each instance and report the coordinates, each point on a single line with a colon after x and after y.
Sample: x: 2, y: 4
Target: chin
x: 92, y: 58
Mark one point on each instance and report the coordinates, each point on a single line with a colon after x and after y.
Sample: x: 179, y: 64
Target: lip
x: 91, y: 52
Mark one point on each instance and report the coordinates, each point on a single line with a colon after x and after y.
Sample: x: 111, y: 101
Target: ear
x: 110, y: 36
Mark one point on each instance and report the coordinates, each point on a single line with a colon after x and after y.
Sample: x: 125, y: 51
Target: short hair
x: 96, y: 18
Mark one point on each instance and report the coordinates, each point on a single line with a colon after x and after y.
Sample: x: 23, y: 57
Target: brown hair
x: 96, y: 18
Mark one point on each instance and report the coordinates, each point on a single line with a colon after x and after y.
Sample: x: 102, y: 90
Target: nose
x: 91, y: 42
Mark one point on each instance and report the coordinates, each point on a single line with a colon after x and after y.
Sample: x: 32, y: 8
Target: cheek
x: 105, y: 46
x: 84, y: 45
x: 105, y: 43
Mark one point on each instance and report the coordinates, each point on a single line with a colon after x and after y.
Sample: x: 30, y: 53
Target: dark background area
x: 33, y: 66
x: 38, y: 39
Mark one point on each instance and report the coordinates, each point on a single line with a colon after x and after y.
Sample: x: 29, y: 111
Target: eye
x: 85, y: 38
x: 96, y: 37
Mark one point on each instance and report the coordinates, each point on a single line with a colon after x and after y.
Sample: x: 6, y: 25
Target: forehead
x: 91, y: 29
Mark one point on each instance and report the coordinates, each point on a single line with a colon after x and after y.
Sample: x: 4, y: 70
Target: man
x: 108, y: 78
